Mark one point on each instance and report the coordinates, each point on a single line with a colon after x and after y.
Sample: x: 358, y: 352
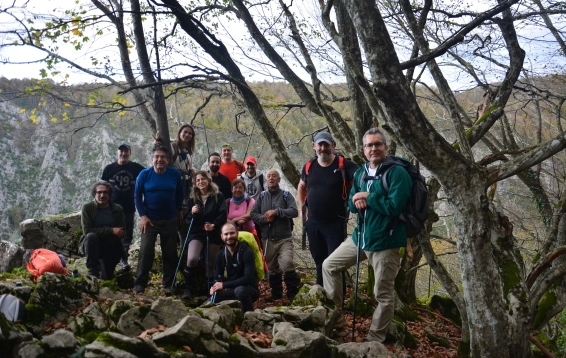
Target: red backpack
x: 42, y: 261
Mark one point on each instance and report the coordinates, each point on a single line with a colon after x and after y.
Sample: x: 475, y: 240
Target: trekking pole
x: 361, y: 214
x: 207, y: 263
x: 182, y: 252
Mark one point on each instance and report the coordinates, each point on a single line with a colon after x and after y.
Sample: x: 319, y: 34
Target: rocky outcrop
x: 60, y: 233
x: 112, y: 323
x: 11, y: 256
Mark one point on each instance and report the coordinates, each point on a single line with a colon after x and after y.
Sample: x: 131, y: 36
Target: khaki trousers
x: 278, y: 255
x: 385, y: 265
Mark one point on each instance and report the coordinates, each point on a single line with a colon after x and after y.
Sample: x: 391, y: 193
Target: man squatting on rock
x: 159, y: 201
x: 103, y: 226
x: 273, y: 214
x: 378, y: 244
x: 241, y: 282
x: 122, y: 174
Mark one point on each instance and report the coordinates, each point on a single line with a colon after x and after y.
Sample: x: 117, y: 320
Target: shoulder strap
x: 240, y: 166
x: 175, y: 151
x: 308, y: 165
x: 261, y: 181
x: 286, y: 196
x: 384, y: 178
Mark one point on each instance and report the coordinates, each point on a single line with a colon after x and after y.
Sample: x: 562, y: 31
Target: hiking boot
x: 292, y: 281
x: 187, y: 295
x: 125, y: 266
x: 138, y: 289
x: 276, y: 284
x: 167, y: 291
x: 341, y: 322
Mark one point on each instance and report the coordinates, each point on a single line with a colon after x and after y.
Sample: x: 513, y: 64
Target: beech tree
x: 499, y: 299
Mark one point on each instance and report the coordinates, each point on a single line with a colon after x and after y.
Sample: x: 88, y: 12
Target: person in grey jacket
x: 273, y: 214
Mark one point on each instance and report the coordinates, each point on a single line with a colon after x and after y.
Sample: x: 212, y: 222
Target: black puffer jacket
x: 214, y: 212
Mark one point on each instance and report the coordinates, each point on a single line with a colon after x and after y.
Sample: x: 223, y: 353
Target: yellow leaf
x: 67, y: 105
x: 53, y: 119
x: 23, y: 110
x: 32, y: 117
x: 77, y: 32
x: 65, y: 116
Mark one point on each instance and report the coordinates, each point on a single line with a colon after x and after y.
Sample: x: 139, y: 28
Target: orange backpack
x: 42, y: 261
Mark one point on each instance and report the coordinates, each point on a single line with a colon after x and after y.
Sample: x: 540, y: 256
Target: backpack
x: 416, y: 211
x: 42, y: 261
x: 248, y: 238
x: 13, y: 308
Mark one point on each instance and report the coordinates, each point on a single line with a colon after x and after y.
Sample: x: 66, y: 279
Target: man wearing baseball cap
x: 122, y: 174
x: 324, y: 190
x: 252, y: 178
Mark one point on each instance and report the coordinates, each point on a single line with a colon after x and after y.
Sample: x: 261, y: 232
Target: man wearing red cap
x: 253, y: 179
x: 230, y: 166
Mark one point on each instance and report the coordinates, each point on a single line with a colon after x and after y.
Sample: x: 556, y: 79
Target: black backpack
x: 416, y: 211
x: 13, y: 308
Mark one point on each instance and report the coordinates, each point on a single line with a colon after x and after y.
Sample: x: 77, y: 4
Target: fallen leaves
x: 150, y: 332
x: 260, y: 339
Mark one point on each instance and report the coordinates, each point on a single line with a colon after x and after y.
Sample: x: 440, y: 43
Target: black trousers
x: 323, y: 240
x: 103, y: 254
x: 129, y: 230
x: 247, y: 295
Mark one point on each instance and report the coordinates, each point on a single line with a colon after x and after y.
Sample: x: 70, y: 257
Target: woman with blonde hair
x: 207, y: 214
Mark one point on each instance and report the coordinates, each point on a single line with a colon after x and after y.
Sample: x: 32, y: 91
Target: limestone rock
x: 314, y: 295
x: 10, y: 256
x: 164, y: 311
x: 92, y: 318
x: 118, y: 308
x: 12, y: 335
x: 200, y: 334
x: 224, y: 315
x: 319, y: 319
x: 55, y: 296
x: 135, y: 347
x: 260, y: 321
x: 29, y: 350
x: 100, y: 350
x: 363, y: 350
x: 22, y: 292
x: 298, y: 343
x: 60, y: 233
x: 60, y: 339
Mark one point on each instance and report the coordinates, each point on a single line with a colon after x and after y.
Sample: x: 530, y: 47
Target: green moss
x: 280, y: 342
x: 35, y: 314
x: 447, y: 307
x: 199, y: 311
x: 234, y: 339
x: 464, y: 349
x: 536, y: 258
x: 545, y: 304
x: 364, y: 306
x: 63, y: 228
x: 77, y: 234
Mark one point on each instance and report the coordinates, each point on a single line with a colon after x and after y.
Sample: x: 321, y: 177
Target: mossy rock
x: 364, y: 307
x: 397, y: 332
x: 434, y: 338
x: 447, y: 307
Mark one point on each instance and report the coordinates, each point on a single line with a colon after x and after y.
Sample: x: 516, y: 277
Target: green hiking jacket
x: 382, y: 206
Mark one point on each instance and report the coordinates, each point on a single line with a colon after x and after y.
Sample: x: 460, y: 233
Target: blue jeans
x: 167, y: 230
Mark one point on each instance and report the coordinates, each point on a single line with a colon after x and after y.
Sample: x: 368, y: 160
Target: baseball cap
x: 250, y: 159
x: 124, y: 145
x: 323, y: 137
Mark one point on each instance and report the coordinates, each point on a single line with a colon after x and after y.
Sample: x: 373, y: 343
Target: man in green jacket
x: 103, y: 225
x: 378, y: 243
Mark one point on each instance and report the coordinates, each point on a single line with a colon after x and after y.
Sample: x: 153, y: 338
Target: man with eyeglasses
x: 323, y: 189
x: 103, y: 224
x: 159, y: 200
x: 377, y: 242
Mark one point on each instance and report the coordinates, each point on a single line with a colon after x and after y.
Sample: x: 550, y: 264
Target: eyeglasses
x: 101, y: 192
x: 377, y: 145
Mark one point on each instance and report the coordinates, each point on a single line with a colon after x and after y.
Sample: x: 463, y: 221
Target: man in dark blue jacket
x: 237, y: 259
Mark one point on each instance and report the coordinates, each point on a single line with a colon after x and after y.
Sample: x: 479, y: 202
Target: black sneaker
x: 138, y: 289
x: 125, y: 266
x: 187, y: 295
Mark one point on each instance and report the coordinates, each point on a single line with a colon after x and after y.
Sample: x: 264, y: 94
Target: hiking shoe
x: 187, y: 295
x: 138, y: 289
x: 125, y: 266
x: 341, y: 322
